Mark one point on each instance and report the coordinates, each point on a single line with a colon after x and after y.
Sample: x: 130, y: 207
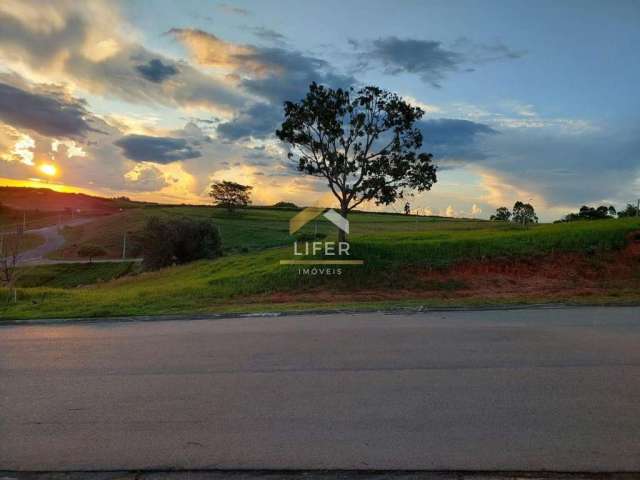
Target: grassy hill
x: 246, y: 230
x: 408, y: 261
x: 45, y: 199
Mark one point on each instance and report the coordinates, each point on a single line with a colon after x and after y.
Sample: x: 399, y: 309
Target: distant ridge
x: 45, y: 199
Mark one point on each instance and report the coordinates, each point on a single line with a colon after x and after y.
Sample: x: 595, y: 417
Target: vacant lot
x: 408, y: 261
x: 247, y: 230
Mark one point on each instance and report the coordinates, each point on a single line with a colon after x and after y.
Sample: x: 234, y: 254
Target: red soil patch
x: 555, y: 276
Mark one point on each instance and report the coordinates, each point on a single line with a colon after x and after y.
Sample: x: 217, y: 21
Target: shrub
x: 285, y: 205
x: 91, y: 251
x: 178, y: 241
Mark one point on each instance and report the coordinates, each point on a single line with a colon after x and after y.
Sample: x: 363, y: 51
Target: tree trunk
x: 342, y: 236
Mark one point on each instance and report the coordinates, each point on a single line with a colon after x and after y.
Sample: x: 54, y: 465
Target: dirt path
x: 53, y: 240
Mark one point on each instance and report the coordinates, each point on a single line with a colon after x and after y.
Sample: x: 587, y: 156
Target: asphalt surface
x: 310, y: 475
x: 520, y: 390
x: 53, y: 240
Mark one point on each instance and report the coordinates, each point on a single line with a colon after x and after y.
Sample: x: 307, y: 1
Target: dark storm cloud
x: 274, y: 73
x: 131, y: 73
x: 144, y: 148
x: 258, y: 121
x: 568, y: 169
x: 47, y: 113
x: 449, y: 131
x: 428, y: 59
x: 156, y: 71
x: 289, y: 75
x: 40, y: 45
x: 454, y: 141
x: 292, y: 73
x: 260, y: 157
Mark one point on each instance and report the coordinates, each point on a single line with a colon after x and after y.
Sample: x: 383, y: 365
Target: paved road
x: 545, y: 389
x: 53, y: 240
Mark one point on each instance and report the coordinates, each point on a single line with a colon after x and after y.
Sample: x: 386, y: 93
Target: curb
x: 349, y: 311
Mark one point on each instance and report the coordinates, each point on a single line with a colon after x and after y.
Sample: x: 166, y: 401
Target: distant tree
x: 177, y: 241
x: 590, y: 213
x: 524, y: 213
x: 91, y: 251
x: 230, y: 195
x: 407, y: 208
x: 285, y: 205
x: 502, y: 214
x: 10, y: 246
x: 365, y: 143
x: 629, y: 211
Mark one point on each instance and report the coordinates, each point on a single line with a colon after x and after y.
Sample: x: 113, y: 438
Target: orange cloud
x: 209, y: 50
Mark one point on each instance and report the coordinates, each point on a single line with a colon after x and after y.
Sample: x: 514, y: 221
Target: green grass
x: 389, y: 252
x: 70, y: 275
x: 245, y: 230
x: 28, y: 241
x: 442, y: 248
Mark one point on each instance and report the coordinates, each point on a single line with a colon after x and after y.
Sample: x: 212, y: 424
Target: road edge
x: 286, y: 313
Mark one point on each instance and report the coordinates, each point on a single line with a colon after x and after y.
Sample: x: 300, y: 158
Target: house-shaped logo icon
x: 310, y: 213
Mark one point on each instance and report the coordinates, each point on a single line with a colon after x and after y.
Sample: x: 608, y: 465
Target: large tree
x: 230, y: 195
x: 524, y: 213
x: 364, y: 142
x: 502, y: 214
x: 629, y: 211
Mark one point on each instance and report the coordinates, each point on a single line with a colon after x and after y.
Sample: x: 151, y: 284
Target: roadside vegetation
x: 410, y: 257
x: 71, y: 275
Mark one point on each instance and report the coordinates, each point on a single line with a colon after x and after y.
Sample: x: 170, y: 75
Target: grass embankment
x: 395, y: 260
x: 443, y: 248
x: 242, y: 231
x: 26, y: 242
x: 71, y: 275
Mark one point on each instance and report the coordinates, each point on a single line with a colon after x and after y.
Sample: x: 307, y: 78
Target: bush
x: 91, y: 251
x: 178, y: 241
x: 285, y: 205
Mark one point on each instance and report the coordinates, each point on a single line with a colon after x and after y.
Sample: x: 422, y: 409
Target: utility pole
x: 24, y: 220
x: 638, y: 208
x: 124, y: 245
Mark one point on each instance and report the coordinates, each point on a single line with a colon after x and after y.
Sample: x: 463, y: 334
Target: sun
x: 48, y: 169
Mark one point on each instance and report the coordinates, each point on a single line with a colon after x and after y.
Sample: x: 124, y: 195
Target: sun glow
x: 48, y: 169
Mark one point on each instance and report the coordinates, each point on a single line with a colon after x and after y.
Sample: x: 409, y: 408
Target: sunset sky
x: 536, y: 101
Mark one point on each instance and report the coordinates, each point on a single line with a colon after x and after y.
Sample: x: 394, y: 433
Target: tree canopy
x: 502, y: 214
x: 591, y: 213
x: 629, y: 211
x: 230, y: 195
x: 524, y: 213
x: 176, y: 241
x: 364, y: 142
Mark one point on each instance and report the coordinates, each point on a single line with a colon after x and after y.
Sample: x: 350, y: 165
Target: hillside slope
x: 581, y: 261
